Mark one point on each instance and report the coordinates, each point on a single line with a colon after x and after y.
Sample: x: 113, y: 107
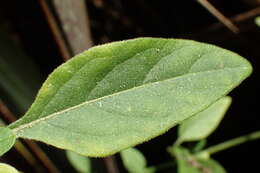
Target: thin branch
x: 238, y: 18
x: 232, y: 143
x: 247, y: 15
x: 75, y: 23
x: 64, y: 50
x: 27, y: 155
x: 36, y: 150
x: 6, y: 113
x: 223, y: 19
x: 111, y: 165
x: 42, y: 156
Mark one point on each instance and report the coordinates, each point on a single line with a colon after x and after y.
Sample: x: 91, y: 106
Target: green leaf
x: 257, y: 21
x: 81, y: 163
x: 188, y: 163
x: 212, y: 165
x: 5, y: 168
x: 121, y: 94
x: 134, y: 161
x: 7, y: 140
x: 201, y: 125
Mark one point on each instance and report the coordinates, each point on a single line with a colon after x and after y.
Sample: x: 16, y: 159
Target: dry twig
x: 75, y: 23
x: 238, y: 18
x: 37, y: 151
x: 111, y: 165
x: 64, y: 50
x: 229, y: 24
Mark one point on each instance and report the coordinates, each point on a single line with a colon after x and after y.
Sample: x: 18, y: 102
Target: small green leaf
x: 204, y: 123
x: 188, y: 163
x: 7, y: 140
x: 81, y: 163
x: 134, y: 161
x: 257, y: 21
x: 5, y: 168
x: 121, y: 94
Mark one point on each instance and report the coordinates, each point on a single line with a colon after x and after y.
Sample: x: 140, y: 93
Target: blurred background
x: 36, y: 36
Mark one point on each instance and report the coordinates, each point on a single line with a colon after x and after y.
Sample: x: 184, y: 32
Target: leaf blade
x: 81, y: 163
x: 67, y: 79
x: 69, y: 120
x: 134, y: 161
x: 134, y: 112
x: 204, y: 123
x: 7, y: 140
x: 7, y: 168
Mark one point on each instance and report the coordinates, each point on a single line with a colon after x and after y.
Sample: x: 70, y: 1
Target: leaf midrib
x: 83, y: 65
x: 41, y: 115
x: 28, y: 125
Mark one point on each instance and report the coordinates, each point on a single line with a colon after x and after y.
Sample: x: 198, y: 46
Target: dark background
x: 25, y: 23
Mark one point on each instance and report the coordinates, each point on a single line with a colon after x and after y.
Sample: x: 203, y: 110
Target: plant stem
x: 60, y: 41
x: 223, y: 19
x: 36, y: 150
x: 76, y: 27
x: 111, y: 165
x: 239, y: 18
x: 232, y: 143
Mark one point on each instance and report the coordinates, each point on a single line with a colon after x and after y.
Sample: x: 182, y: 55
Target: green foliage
x: 257, y: 21
x: 118, y: 95
x: 188, y: 163
x: 81, y: 163
x: 204, y: 123
x: 134, y: 161
x: 7, y: 140
x: 4, y: 168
